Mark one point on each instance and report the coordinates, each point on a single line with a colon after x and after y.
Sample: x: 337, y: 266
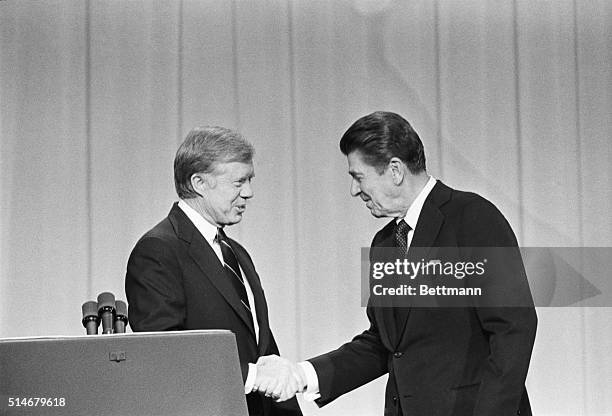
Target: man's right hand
x: 279, y: 378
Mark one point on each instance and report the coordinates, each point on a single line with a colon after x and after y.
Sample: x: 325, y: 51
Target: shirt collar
x: 413, y: 213
x: 208, y: 230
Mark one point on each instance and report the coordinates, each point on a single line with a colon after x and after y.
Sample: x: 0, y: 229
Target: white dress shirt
x: 414, y: 211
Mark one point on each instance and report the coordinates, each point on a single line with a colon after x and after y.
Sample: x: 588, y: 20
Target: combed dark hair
x: 382, y: 135
x: 203, y: 148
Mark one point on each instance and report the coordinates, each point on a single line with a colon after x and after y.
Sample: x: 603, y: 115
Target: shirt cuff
x: 250, y: 381
x: 312, y: 382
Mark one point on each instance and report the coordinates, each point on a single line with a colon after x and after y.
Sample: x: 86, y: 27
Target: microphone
x: 121, y: 318
x: 90, y: 317
x: 106, y: 311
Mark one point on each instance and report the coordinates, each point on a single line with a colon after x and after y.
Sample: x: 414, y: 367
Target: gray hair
x: 202, y: 150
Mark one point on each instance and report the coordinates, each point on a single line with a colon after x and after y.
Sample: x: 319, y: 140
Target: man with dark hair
x: 459, y: 361
x: 186, y: 273
x: 382, y: 135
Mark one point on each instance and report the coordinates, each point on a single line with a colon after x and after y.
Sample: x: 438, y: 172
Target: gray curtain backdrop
x: 512, y: 99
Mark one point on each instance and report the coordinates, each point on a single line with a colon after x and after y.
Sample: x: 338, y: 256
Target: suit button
x: 394, y: 398
x: 518, y: 412
x: 398, y: 354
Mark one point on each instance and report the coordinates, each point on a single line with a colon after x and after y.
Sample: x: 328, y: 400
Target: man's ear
x: 397, y: 169
x: 200, y: 182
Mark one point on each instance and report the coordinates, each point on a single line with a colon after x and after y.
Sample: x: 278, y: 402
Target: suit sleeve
x: 352, y: 365
x: 154, y: 288
x: 509, y: 325
x: 355, y: 363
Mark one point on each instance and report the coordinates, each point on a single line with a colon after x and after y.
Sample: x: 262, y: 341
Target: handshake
x: 278, y: 378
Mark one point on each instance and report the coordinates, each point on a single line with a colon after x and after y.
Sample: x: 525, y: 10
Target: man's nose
x: 247, y: 190
x: 355, y: 189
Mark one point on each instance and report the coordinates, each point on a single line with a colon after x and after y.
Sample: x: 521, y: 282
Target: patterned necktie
x: 401, y: 242
x: 401, y: 235
x: 233, y: 270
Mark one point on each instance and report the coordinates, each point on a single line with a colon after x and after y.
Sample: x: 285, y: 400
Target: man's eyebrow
x: 246, y: 177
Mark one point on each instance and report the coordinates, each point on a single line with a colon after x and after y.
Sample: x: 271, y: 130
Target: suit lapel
x: 427, y: 229
x: 428, y: 226
x: 430, y: 219
x: 261, y: 308
x: 208, y: 262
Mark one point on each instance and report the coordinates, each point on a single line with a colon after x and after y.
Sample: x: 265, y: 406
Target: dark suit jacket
x: 443, y: 361
x: 175, y: 281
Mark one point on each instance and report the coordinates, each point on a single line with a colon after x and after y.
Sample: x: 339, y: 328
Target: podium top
x: 129, y: 334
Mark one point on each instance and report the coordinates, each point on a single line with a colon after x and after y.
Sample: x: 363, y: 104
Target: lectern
x: 182, y: 373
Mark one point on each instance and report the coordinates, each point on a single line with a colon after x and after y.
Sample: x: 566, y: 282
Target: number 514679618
x: 36, y: 402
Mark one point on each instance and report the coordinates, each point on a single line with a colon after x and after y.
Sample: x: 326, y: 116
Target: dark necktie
x: 233, y: 270
x: 401, y: 235
x: 401, y: 242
